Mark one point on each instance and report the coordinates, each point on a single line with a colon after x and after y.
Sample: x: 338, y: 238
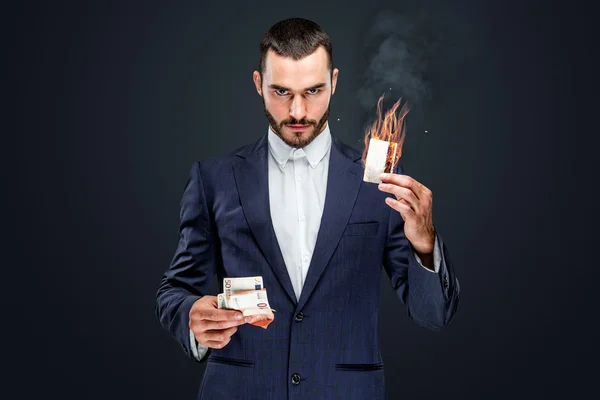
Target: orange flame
x: 391, y: 129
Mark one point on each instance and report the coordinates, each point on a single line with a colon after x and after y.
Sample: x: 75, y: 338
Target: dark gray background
x: 114, y: 103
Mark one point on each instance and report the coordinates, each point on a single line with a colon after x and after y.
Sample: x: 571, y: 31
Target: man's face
x: 296, y: 95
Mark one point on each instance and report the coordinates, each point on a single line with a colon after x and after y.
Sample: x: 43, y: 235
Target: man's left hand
x: 413, y: 202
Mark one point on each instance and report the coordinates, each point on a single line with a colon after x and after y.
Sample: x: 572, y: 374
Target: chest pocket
x: 361, y: 229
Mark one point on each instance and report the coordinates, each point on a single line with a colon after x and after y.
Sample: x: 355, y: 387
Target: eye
x: 278, y: 91
x: 313, y: 90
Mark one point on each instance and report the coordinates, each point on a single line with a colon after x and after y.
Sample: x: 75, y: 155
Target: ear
x: 257, y: 82
x: 334, y: 77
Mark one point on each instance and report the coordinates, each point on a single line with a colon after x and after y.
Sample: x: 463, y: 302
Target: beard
x: 297, y: 140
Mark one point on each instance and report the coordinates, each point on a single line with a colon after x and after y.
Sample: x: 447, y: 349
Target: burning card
x: 381, y: 157
x: 383, y: 143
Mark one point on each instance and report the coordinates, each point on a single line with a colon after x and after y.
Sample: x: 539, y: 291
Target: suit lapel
x: 252, y: 180
x: 343, y: 182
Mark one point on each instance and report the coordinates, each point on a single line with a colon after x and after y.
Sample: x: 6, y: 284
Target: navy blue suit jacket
x: 325, y: 345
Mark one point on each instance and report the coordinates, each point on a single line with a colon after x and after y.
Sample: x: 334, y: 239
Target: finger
x: 216, y: 345
x: 218, y: 335
x: 408, y: 196
x: 220, y: 325
x: 404, y: 181
x: 401, y: 193
x: 400, y: 206
x: 220, y: 315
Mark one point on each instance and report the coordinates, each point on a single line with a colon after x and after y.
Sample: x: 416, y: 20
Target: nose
x: 298, y: 108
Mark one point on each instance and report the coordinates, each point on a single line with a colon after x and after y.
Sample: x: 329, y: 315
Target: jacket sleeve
x: 193, y: 266
x: 430, y: 297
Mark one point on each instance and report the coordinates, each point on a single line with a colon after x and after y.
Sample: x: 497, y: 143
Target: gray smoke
x: 396, y: 49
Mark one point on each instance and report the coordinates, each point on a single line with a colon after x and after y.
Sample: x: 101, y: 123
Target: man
x: 294, y: 209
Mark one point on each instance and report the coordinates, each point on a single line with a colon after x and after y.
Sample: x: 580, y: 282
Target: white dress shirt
x: 297, y: 187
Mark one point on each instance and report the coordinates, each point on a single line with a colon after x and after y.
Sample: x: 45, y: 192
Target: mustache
x: 292, y: 121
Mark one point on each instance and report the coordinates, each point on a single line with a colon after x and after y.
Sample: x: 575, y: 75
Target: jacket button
x: 296, y: 379
x: 446, y: 283
x: 299, y: 317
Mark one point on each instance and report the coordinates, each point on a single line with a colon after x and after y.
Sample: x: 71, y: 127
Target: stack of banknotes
x: 249, y: 296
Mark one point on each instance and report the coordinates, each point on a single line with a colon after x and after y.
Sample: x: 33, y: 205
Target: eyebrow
x: 278, y: 87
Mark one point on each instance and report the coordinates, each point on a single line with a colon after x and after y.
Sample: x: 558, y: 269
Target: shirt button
x: 301, y: 218
x: 296, y: 379
x: 299, y: 316
x: 305, y: 259
x: 298, y: 178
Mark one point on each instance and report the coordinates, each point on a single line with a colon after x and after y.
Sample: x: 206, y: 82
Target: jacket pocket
x: 361, y: 229
x: 359, y: 367
x: 231, y: 361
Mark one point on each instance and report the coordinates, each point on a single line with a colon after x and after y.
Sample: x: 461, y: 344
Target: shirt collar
x: 315, y: 151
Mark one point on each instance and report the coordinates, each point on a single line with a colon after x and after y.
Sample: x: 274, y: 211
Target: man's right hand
x: 213, y: 327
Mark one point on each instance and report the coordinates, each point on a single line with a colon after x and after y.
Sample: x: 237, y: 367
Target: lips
x: 298, y: 127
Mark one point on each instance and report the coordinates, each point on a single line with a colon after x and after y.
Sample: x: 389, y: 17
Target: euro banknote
x: 247, y: 295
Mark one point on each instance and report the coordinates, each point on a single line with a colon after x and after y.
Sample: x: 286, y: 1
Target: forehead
x: 292, y: 73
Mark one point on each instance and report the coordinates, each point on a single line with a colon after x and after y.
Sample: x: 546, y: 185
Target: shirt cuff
x: 436, y: 257
x: 198, y: 350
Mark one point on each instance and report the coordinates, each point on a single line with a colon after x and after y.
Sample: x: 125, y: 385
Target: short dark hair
x: 295, y: 38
